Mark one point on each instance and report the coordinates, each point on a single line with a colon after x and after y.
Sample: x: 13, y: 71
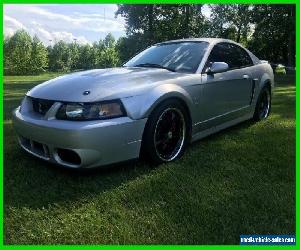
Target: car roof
x: 208, y: 40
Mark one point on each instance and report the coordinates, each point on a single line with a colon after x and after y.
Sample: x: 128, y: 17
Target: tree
x: 18, y: 53
x: 39, y: 56
x: 140, y: 19
x: 232, y: 21
x: 75, y: 55
x: 267, y: 30
x: 273, y: 38
x: 148, y: 24
x: 7, y: 55
x: 109, y: 41
x: 60, y: 57
x: 125, y: 49
x: 85, y: 57
x: 160, y: 22
x: 108, y: 55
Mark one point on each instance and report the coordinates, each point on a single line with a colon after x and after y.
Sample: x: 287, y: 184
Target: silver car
x: 167, y: 96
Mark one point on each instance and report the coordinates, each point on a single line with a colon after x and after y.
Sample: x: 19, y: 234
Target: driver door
x: 226, y: 95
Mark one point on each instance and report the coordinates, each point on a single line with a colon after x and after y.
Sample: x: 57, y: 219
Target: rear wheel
x: 166, y: 132
x: 263, y: 105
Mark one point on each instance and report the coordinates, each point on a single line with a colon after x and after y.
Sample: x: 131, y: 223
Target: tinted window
x: 242, y: 56
x: 181, y: 57
x: 233, y: 55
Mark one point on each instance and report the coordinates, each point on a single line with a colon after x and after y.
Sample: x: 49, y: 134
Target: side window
x: 233, y: 55
x: 219, y: 53
x: 242, y: 58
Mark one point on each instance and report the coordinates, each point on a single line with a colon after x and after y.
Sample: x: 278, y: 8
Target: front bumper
x: 96, y: 143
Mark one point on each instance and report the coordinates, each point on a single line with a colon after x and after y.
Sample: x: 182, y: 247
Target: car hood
x: 102, y: 84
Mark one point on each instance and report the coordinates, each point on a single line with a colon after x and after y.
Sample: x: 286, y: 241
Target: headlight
x: 91, y: 111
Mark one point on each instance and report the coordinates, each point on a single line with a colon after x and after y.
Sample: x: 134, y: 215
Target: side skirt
x: 218, y: 128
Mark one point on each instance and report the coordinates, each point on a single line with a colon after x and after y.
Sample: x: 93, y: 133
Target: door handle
x: 246, y: 76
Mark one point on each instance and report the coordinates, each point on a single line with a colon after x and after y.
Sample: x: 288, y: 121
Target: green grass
x: 239, y: 181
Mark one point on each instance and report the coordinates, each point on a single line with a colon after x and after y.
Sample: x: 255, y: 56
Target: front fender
x: 141, y: 106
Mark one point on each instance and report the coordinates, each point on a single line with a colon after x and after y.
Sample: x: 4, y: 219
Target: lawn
x: 239, y: 181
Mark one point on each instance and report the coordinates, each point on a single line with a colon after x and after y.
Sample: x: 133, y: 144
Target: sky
x: 84, y: 23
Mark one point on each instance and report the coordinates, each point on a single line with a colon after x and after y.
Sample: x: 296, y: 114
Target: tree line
x: 267, y: 30
x: 25, y: 55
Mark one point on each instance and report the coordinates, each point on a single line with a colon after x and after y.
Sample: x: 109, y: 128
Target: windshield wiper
x: 154, y: 65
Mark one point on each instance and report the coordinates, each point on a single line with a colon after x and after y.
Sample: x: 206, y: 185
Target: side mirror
x: 217, y: 67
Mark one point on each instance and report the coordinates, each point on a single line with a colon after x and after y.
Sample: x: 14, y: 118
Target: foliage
x: 274, y: 36
x: 39, y: 59
x: 24, y: 55
x: 231, y: 21
x: 267, y: 30
x: 60, y: 57
x: 148, y: 24
x: 128, y: 46
x: 18, y: 53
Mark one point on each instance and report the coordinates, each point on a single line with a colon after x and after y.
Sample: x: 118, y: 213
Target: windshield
x: 180, y: 57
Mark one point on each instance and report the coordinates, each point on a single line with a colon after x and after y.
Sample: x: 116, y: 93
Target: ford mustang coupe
x: 165, y: 97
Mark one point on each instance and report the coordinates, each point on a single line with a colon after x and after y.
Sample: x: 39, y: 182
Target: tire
x: 263, y: 105
x: 167, y: 131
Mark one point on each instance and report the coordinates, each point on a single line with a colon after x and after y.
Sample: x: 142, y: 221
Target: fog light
x: 68, y: 156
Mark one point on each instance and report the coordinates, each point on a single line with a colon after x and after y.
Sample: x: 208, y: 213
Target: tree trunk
x: 238, y: 37
x: 187, y: 21
x: 150, y: 23
x: 290, y: 50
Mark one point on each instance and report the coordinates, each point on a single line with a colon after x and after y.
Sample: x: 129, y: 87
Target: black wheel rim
x: 169, y: 135
x: 264, y: 105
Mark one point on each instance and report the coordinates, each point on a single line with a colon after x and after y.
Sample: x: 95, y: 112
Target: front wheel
x: 263, y: 105
x: 166, y: 132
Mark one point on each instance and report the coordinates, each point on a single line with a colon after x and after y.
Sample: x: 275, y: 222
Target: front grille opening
x: 69, y: 156
x: 38, y: 148
x: 35, y: 147
x: 41, y: 106
x: 25, y: 142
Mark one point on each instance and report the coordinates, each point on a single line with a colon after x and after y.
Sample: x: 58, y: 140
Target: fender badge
x: 87, y: 92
